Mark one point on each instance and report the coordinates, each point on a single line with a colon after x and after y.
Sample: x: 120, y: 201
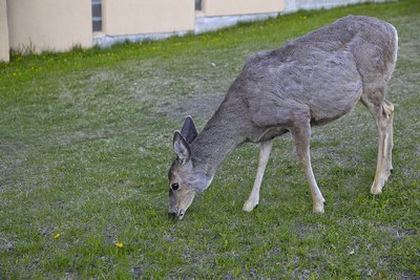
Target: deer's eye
x: 174, y: 186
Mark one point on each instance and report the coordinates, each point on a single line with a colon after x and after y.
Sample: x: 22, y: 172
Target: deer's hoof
x: 377, y: 186
x: 249, y: 206
x: 318, y: 208
x: 375, y: 191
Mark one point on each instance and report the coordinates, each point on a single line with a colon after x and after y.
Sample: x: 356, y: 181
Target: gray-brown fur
x: 311, y: 80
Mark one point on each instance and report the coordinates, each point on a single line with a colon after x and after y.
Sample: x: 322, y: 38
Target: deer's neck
x: 220, y: 136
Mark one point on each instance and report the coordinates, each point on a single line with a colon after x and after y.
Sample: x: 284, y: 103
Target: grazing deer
x: 310, y: 81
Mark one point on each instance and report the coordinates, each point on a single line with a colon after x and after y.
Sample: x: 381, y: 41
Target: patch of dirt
x: 304, y: 230
x: 397, y: 232
x: 275, y: 251
x: 302, y: 273
x: 47, y: 231
x: 137, y: 272
x: 228, y: 276
x: 71, y: 276
x: 408, y: 276
x: 110, y: 234
x: 6, y: 245
x: 12, y: 158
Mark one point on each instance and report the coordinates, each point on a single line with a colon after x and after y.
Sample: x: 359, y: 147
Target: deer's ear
x: 181, y: 147
x: 188, y: 131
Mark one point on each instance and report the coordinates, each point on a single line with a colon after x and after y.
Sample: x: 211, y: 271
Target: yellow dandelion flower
x: 119, y: 245
x: 57, y: 236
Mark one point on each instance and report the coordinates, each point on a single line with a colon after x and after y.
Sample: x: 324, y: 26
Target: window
x: 96, y: 15
x: 198, y: 5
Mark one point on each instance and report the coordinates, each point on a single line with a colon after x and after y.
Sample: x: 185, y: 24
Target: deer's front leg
x: 254, y: 197
x: 384, y: 115
x: 301, y: 135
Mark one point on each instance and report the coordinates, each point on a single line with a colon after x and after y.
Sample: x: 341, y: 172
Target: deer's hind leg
x: 383, y: 112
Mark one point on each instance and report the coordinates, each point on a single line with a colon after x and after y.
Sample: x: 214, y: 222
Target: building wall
x: 240, y: 7
x: 56, y: 25
x: 126, y: 17
x: 4, y: 32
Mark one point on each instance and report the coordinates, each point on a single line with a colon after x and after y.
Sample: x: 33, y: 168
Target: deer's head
x: 185, y: 179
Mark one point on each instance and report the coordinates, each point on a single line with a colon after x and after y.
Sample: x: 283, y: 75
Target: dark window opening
x: 96, y: 15
x: 198, y: 5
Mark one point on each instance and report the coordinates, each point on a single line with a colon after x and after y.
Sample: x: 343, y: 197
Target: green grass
x: 85, y: 144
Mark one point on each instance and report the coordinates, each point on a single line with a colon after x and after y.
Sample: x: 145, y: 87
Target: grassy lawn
x: 85, y: 145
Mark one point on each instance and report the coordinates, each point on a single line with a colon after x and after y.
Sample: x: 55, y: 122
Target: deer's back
x: 325, y: 71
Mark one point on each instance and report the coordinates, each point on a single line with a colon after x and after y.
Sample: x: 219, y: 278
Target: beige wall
x: 4, y: 32
x: 58, y: 25
x: 240, y: 7
x: 125, y: 17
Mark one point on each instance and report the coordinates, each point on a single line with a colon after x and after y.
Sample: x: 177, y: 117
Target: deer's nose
x: 171, y: 215
x: 180, y: 214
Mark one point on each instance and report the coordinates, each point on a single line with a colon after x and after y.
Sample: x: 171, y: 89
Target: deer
x: 309, y: 81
